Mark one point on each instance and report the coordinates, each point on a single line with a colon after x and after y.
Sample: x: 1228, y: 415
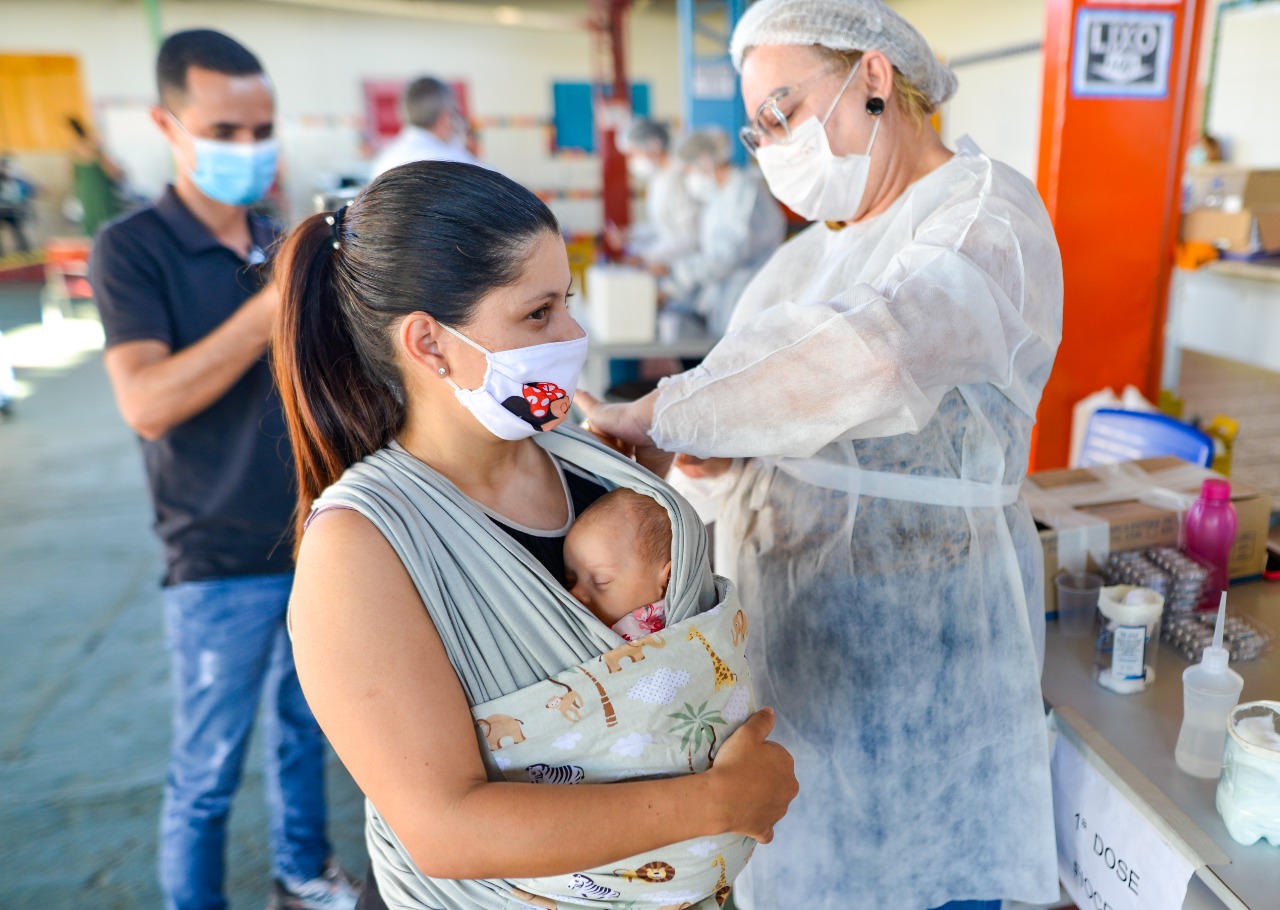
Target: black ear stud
x: 875, y: 106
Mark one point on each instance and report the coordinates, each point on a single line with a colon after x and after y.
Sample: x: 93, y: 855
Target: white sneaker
x: 332, y: 890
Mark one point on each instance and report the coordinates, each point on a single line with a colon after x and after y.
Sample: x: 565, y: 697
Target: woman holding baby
x: 423, y: 344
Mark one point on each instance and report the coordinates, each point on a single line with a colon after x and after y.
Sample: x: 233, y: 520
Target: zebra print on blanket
x: 555, y: 774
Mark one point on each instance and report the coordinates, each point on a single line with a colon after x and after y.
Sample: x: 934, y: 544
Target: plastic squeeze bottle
x: 1210, y: 689
x: 1211, y: 533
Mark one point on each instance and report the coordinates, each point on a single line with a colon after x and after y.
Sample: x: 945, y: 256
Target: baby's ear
x: 665, y: 575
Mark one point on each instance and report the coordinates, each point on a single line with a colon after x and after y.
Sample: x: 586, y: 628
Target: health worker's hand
x: 702, y: 468
x: 756, y: 778
x: 625, y: 428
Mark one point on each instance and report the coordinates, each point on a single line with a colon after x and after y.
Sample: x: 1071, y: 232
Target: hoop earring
x: 875, y: 106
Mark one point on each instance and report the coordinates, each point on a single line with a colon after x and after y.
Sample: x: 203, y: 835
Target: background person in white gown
x: 740, y: 227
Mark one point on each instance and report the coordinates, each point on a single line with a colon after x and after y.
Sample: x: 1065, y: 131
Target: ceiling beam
x: 486, y: 14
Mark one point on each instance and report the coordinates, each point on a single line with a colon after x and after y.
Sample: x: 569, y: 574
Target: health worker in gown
x: 740, y: 227
x: 860, y: 435
x: 670, y: 226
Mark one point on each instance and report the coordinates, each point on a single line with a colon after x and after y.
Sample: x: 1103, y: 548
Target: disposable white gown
x: 879, y: 384
x: 670, y: 228
x: 741, y: 227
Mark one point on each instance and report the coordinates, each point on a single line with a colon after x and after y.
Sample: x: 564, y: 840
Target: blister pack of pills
x: 1179, y: 577
x: 1191, y: 633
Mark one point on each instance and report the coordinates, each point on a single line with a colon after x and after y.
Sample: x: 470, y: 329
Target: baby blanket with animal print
x: 558, y: 697
x: 656, y: 707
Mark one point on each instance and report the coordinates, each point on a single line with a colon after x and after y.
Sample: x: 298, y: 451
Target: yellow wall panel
x: 37, y: 94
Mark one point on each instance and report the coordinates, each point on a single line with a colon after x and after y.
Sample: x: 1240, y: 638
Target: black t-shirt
x: 548, y: 549
x: 222, y: 482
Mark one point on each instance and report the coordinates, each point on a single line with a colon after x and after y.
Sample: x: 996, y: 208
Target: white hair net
x: 645, y: 132
x: 709, y: 143
x: 845, y: 25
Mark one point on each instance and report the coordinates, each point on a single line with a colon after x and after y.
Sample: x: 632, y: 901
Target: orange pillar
x: 1119, y: 92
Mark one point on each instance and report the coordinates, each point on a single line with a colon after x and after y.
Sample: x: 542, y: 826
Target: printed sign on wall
x: 1121, y: 53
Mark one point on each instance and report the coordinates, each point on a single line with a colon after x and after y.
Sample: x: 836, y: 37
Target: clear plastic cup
x: 1077, y: 602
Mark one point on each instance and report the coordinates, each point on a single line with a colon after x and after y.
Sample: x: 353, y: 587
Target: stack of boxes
x: 1235, y: 209
x: 1086, y: 514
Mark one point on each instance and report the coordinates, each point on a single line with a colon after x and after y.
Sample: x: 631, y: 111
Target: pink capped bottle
x: 1211, y: 533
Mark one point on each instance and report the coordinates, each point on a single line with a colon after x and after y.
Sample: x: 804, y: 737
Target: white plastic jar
x: 1249, y: 790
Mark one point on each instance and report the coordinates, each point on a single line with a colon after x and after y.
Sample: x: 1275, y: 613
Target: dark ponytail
x: 431, y: 237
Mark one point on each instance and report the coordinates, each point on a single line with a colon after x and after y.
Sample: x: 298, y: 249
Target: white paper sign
x: 714, y: 81
x: 1121, y: 53
x: 1109, y: 856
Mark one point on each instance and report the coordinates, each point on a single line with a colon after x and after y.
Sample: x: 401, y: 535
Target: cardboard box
x: 1232, y: 189
x: 622, y: 304
x: 1087, y: 513
x: 1233, y: 208
x: 1248, y: 231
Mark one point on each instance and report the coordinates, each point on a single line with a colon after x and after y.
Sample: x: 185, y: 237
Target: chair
x: 66, y: 272
x: 1114, y: 435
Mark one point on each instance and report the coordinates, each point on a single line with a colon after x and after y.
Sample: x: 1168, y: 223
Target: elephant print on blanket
x: 497, y: 727
x: 632, y: 651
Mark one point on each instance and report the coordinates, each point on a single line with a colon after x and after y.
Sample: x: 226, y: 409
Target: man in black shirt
x: 183, y: 289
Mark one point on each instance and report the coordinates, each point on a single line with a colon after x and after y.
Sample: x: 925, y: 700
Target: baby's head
x: 617, y: 556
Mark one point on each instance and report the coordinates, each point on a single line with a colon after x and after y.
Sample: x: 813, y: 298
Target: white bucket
x: 1249, y: 790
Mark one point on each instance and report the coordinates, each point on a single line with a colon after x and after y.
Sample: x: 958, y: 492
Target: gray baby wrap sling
x: 559, y: 697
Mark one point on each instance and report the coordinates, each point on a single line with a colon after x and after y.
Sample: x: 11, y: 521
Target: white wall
x: 1244, y: 107
x: 998, y: 102
x: 318, y: 59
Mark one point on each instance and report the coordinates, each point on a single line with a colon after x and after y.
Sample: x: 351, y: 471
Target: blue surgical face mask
x: 233, y: 173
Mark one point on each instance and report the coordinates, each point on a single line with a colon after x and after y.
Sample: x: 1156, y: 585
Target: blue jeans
x: 229, y: 646
x: 970, y: 905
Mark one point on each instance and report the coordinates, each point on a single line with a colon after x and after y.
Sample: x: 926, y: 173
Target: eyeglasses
x: 771, y: 123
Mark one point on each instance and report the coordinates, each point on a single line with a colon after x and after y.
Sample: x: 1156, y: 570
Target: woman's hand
x: 625, y: 428
x: 757, y: 778
x: 702, y: 468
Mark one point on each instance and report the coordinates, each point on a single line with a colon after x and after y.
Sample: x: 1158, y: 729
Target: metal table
x: 595, y: 374
x: 1130, y: 739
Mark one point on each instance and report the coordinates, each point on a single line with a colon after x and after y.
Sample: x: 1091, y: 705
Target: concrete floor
x: 84, y: 718
x: 1251, y: 395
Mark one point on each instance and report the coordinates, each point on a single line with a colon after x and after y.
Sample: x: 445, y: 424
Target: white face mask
x: 525, y: 390
x: 701, y: 185
x: 808, y: 178
x: 642, y: 167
